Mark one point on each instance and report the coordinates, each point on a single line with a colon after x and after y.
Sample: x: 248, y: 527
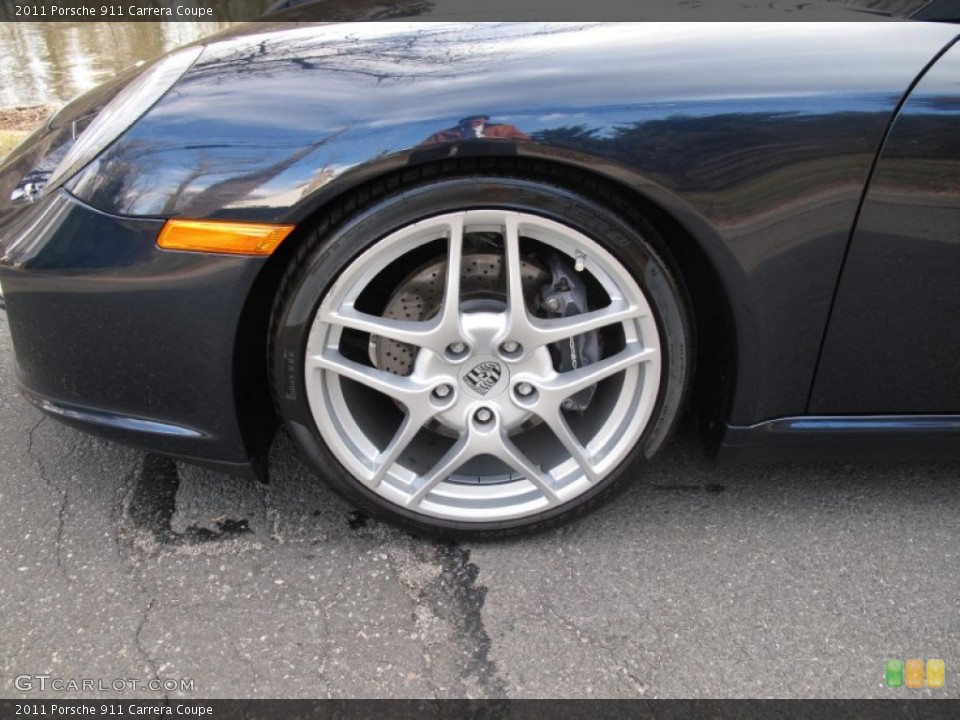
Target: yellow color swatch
x: 935, y: 673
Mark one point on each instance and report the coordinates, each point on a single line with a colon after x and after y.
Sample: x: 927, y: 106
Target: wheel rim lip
x: 457, y: 501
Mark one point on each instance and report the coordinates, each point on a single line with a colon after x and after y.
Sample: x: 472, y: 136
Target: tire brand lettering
x: 290, y: 362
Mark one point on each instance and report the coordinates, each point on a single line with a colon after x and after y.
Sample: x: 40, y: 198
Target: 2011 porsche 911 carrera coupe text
x: 478, y: 272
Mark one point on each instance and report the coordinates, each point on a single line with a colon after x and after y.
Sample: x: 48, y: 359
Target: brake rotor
x: 420, y: 295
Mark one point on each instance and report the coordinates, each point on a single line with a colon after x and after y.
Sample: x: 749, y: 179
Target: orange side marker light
x: 222, y: 236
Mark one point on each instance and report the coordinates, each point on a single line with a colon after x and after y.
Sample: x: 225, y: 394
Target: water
x: 49, y: 63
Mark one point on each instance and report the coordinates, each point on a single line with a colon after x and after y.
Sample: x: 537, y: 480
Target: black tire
x: 371, y: 214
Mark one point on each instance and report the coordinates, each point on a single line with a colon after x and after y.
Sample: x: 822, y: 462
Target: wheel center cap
x: 484, y: 378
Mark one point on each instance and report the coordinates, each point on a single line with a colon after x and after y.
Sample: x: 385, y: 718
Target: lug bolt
x: 510, y: 347
x: 483, y: 415
x: 553, y: 304
x: 524, y: 389
x: 442, y: 391
x: 568, y: 404
x: 457, y: 348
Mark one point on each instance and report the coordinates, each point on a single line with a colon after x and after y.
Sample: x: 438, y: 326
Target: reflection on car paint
x: 476, y: 127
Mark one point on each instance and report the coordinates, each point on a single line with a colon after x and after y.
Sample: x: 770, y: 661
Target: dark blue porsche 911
x: 479, y: 271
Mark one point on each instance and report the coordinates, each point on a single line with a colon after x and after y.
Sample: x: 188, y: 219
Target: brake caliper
x: 566, y: 295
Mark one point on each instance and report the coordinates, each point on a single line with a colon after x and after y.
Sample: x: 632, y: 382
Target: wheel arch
x: 701, y: 259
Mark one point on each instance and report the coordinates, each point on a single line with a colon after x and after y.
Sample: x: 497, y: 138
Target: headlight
x: 124, y: 110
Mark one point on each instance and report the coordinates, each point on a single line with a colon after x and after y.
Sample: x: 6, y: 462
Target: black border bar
x: 914, y: 709
x: 464, y: 10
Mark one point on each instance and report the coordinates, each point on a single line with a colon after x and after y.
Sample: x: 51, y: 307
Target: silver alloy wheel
x: 499, y: 465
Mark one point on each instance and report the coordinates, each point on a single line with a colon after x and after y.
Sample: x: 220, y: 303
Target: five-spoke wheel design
x: 477, y: 430
x: 479, y: 355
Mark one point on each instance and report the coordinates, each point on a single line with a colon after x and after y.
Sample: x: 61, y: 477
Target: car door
x: 892, y: 344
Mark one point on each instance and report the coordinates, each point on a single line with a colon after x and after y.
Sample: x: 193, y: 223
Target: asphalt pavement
x: 788, y: 580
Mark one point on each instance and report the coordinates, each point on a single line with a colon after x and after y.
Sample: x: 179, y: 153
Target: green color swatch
x: 894, y: 673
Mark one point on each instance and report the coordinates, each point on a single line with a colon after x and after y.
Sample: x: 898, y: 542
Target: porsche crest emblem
x: 484, y: 377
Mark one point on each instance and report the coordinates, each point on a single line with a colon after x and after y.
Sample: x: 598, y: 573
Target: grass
x: 9, y: 139
x: 18, y: 122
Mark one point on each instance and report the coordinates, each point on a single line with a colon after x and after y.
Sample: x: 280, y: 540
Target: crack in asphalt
x: 619, y: 665
x: 138, y: 642
x: 126, y: 493
x: 61, y: 526
x: 61, y: 492
x: 456, y: 594
x: 36, y: 458
x: 442, y: 583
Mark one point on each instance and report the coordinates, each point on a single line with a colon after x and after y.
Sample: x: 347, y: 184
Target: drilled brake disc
x: 419, y: 296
